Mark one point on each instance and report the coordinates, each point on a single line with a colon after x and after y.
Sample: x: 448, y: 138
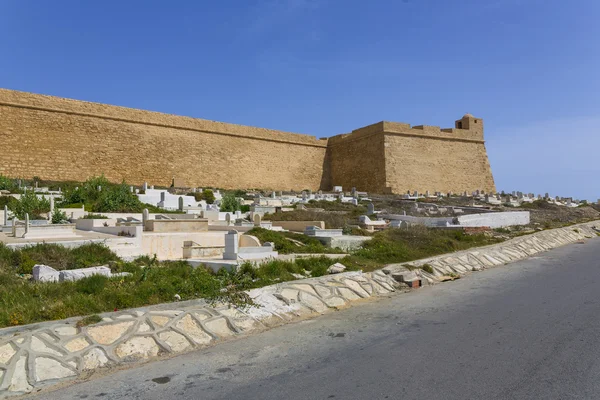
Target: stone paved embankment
x: 40, y: 355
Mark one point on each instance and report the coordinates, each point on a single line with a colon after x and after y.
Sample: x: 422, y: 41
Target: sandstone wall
x: 420, y: 163
x: 357, y: 160
x: 395, y: 157
x: 61, y: 139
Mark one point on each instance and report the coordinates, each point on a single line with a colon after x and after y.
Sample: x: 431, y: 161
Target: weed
x: 427, y: 268
x: 89, y: 320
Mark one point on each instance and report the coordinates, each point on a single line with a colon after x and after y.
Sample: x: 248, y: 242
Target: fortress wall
x: 357, y: 160
x: 420, y: 163
x: 64, y: 139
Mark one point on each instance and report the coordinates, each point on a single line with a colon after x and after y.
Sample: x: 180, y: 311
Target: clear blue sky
x: 529, y: 68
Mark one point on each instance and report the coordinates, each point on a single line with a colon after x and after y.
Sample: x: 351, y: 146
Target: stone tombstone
x: 145, y: 217
x: 403, y: 225
x: 280, y: 194
x: 416, y: 194
x: 131, y: 189
x: 427, y: 193
x: 193, y: 190
x: 304, y: 195
x: 370, y: 209
x: 36, y: 184
x: 152, y: 187
x: 465, y: 193
x: 20, y: 183
x: 257, y: 220
x: 51, y: 204
x: 26, y: 223
x: 355, y: 195
x: 232, y: 245
x: 5, y: 215
x: 228, y: 219
x: 99, y: 188
x: 487, y: 198
x: 273, y: 194
x: 341, y: 196
x: 354, y: 201
x: 180, y: 203
x: 145, y: 186
x: 163, y: 196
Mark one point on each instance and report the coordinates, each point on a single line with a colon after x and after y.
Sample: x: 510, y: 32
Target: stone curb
x: 41, y: 355
x: 476, y: 259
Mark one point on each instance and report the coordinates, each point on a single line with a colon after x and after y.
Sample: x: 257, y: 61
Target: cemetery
x: 71, y: 239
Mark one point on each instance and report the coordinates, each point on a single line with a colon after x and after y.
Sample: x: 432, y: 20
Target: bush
x: 31, y: 204
x: 230, y: 203
x: 7, y: 183
x: 111, y: 198
x: 284, y: 245
x: 59, y: 217
x: 94, y: 216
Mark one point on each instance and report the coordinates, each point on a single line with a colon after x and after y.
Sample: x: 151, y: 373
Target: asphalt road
x: 529, y: 330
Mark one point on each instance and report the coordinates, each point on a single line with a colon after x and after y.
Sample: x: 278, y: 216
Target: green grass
x: 153, y: 282
x: 402, y: 245
x: 21, y: 261
x: 285, y: 246
x: 24, y: 302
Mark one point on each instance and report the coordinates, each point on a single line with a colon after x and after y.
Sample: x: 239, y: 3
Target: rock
x: 121, y: 274
x: 137, y: 348
x: 176, y: 341
x: 108, y: 334
x: 77, y: 274
x: 95, y: 358
x: 48, y: 368
x: 336, y: 268
x: 6, y: 353
x: 404, y: 275
x: 177, y: 297
x: 77, y: 344
x: 44, y: 273
x: 19, y: 381
x: 193, y: 330
x: 298, y: 276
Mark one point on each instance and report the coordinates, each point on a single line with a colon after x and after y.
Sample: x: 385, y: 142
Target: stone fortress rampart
x: 62, y: 139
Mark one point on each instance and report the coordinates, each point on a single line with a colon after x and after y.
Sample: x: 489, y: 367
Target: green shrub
x: 59, y: 217
x: 89, y: 320
x: 230, y: 203
x: 7, y: 183
x: 427, y: 268
x: 31, y: 204
x: 94, y: 216
x: 284, y: 245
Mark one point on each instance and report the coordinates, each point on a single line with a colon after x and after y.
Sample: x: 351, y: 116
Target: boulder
x: 44, y: 273
x: 336, y: 268
x: 77, y: 274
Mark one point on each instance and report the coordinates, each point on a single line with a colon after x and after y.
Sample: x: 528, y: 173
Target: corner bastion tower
x: 62, y: 139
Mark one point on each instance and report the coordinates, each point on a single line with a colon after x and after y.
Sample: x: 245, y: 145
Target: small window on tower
x: 459, y: 125
x: 475, y: 121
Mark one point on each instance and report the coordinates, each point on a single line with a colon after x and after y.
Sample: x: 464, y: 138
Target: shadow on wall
x: 326, y: 183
